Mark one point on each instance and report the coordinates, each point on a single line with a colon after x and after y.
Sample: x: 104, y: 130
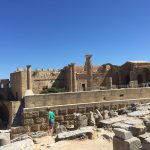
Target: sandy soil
x: 99, y: 143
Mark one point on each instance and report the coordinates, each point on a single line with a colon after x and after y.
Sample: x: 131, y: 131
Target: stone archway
x: 4, y: 116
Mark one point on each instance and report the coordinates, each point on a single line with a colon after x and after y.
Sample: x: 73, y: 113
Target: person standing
x: 51, y: 116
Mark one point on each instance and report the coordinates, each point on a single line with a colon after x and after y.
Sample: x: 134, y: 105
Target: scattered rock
x: 92, y: 119
x: 19, y: 145
x: 38, y: 134
x: 60, y: 129
x: 80, y: 121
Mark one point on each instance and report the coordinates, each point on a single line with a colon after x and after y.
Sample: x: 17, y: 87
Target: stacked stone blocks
x: 123, y: 140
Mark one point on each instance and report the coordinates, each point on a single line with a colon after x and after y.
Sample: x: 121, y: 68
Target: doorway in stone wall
x: 127, y: 80
x: 140, y: 79
x: 83, y: 87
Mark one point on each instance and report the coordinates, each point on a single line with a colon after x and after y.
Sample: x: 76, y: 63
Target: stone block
x: 137, y: 130
x: 39, y: 120
x: 43, y: 113
x: 30, y: 114
x: 81, y: 109
x: 29, y: 121
x: 62, y: 112
x: 106, y: 107
x: 143, y: 137
x: 34, y: 128
x: 121, y: 125
x: 13, y: 136
x: 133, y: 121
x: 19, y: 145
x: 65, y: 123
x: 4, y: 138
x: 120, y: 106
x: 147, y: 124
x: 20, y: 130
x: 88, y: 115
x: 89, y: 131
x: 44, y: 127
x: 122, y: 134
x: 69, y: 117
x: 88, y: 109
x: 71, y: 110
x: 59, y: 118
x: 105, y: 114
x: 81, y: 121
x: 109, y: 122
x: 60, y: 129
x: 130, y: 144
x: 146, y: 144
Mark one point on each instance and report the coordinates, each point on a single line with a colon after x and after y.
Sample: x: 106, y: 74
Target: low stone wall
x: 36, y: 119
x: 85, y: 97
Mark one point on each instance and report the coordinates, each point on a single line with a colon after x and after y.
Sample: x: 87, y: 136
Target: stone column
x: 29, y: 80
x: 88, y: 67
x: 109, y: 82
x: 74, y: 81
x: 70, y: 78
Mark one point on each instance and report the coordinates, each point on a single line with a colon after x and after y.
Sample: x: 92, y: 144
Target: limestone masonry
x: 107, y: 89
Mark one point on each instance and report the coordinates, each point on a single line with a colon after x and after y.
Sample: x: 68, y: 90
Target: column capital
x: 28, y: 66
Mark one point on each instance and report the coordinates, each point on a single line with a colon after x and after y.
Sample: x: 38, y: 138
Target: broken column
x: 133, y: 84
x: 29, y: 81
x: 70, y: 78
x: 123, y: 140
x: 109, y: 82
x: 74, y: 82
x: 88, y: 67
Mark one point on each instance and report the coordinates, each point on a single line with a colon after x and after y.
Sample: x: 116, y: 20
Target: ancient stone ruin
x: 107, y: 96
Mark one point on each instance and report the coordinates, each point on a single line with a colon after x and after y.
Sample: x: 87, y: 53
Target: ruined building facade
x: 75, y: 78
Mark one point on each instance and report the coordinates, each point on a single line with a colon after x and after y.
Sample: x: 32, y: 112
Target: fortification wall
x: 85, y: 97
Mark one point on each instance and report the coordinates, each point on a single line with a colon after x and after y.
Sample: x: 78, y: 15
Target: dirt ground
x: 102, y: 141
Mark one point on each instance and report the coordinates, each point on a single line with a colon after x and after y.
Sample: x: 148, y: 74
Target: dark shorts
x: 51, y: 124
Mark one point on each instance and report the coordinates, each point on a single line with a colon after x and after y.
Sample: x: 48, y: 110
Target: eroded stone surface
x: 26, y: 144
x: 123, y: 134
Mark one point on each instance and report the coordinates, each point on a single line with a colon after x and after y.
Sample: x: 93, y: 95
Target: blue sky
x: 53, y: 33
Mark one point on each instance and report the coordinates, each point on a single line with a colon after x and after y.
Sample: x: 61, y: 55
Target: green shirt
x: 51, y: 116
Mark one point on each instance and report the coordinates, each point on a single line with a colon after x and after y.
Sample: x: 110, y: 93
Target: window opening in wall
x: 83, y: 87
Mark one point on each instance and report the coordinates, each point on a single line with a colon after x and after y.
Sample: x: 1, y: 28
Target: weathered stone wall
x: 40, y: 79
x: 36, y: 119
x: 15, y: 81
x: 85, y: 97
x: 8, y: 110
x: 47, y: 79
